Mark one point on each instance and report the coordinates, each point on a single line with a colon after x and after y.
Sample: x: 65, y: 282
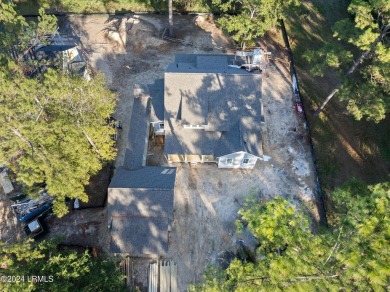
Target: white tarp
x: 6, y: 182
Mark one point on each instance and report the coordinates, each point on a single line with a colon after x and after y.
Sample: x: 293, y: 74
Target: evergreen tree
x: 65, y: 270
x: 18, y: 36
x: 353, y: 255
x: 365, y: 85
x: 246, y: 20
x: 53, y: 129
x: 362, y: 251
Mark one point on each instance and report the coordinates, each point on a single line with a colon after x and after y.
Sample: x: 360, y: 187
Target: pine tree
x: 365, y: 85
x: 247, y: 20
x: 363, y: 252
x: 65, y: 270
x: 353, y: 255
x: 53, y: 129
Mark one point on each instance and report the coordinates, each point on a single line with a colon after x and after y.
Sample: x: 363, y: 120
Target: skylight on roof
x: 168, y: 171
x: 199, y: 127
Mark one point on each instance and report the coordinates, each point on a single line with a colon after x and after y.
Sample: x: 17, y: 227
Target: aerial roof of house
x: 135, y: 153
x: 221, y: 103
x: 156, y: 91
x: 140, y: 210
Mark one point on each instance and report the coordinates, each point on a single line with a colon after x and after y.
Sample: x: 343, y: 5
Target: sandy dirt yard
x: 207, y: 198
x: 129, y: 50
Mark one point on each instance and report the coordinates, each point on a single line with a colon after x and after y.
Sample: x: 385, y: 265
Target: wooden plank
x: 173, y: 267
x: 128, y: 272
x: 166, y: 277
x: 153, y: 276
x: 162, y: 277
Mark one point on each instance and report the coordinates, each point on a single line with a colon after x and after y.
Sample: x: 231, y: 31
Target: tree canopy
x: 18, y: 35
x: 353, y: 255
x: 69, y: 270
x: 246, y: 20
x: 366, y: 84
x: 53, y: 128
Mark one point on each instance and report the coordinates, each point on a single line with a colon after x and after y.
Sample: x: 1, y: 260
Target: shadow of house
x: 213, y: 111
x: 140, y: 210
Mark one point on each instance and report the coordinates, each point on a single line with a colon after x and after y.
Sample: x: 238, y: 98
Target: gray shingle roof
x: 230, y: 141
x: 208, y: 92
x: 135, y: 202
x: 194, y: 110
x: 188, y: 141
x: 139, y: 235
x: 140, y: 209
x: 138, y: 129
x: 251, y: 136
x: 156, y: 92
x: 151, y: 177
x: 211, y: 62
x: 206, y: 63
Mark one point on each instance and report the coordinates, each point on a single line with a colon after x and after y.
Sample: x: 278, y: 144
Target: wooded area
x: 64, y: 269
x: 352, y: 255
x: 54, y: 128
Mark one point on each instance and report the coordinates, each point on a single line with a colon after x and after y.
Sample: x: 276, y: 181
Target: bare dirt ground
x: 10, y: 230
x: 207, y: 198
x: 129, y: 51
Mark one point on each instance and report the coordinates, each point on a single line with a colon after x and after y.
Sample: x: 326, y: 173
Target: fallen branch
x: 352, y: 69
x: 91, y: 143
x: 334, y: 247
x: 18, y: 134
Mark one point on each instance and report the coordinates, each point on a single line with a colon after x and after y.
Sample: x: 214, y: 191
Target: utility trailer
x: 29, y: 209
x: 34, y: 228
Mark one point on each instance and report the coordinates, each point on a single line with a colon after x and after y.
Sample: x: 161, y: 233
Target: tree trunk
x: 170, y: 18
x: 354, y: 66
x: 349, y: 72
x: 17, y: 133
x: 352, y: 69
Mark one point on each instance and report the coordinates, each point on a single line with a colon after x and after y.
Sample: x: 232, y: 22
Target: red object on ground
x: 299, y: 108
